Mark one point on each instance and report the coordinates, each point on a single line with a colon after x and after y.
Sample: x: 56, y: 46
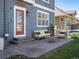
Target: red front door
x: 19, y: 21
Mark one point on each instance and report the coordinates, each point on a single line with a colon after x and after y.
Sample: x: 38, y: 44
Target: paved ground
x: 32, y: 49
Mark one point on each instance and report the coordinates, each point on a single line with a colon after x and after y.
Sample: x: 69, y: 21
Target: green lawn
x: 68, y: 51
x: 74, y: 35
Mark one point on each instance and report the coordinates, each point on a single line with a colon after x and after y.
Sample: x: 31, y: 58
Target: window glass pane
x: 46, y: 17
x: 43, y: 22
x: 43, y: 16
x: 39, y: 15
x: 46, y: 22
x: 19, y: 22
x: 39, y: 22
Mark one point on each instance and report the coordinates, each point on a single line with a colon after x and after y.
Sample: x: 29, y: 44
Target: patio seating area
x: 33, y: 48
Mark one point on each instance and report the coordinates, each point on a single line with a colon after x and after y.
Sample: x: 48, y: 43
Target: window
x: 42, y: 19
x: 62, y: 19
x: 47, y: 1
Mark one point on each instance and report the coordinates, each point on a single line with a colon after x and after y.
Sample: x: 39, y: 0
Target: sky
x: 68, y: 5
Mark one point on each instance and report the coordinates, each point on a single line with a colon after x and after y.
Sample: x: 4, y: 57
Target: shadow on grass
x: 19, y: 56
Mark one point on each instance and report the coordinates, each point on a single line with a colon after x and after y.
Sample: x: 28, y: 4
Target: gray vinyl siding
x: 9, y: 14
x: 9, y: 11
x: 50, y: 5
x: 1, y: 18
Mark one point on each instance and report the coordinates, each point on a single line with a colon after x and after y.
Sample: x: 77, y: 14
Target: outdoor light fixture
x: 27, y: 13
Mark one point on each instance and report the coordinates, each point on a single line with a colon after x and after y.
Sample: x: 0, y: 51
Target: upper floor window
x: 47, y: 1
x: 42, y: 19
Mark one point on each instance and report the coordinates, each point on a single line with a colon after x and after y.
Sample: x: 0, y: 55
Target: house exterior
x: 77, y: 20
x: 72, y: 13
x: 22, y: 17
x: 76, y: 25
x: 64, y: 20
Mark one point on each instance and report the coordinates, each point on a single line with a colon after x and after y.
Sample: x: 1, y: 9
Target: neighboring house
x: 22, y: 17
x: 63, y: 20
x: 72, y: 13
x: 76, y: 25
x: 77, y: 20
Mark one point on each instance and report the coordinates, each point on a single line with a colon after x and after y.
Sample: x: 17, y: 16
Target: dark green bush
x: 52, y: 29
x: 19, y: 56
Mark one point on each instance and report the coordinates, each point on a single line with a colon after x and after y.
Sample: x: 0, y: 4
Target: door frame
x: 23, y: 9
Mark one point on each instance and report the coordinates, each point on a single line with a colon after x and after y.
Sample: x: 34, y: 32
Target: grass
x: 73, y: 35
x: 68, y: 51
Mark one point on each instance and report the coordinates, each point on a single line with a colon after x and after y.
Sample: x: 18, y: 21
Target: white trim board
x: 46, y: 1
x: 21, y: 8
x: 43, y: 7
x: 29, y: 1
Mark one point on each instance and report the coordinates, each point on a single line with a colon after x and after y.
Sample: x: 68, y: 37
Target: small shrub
x: 19, y: 56
x: 52, y: 29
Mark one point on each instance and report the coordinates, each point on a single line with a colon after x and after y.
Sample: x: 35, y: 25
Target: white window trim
x: 37, y: 19
x: 43, y: 7
x: 46, y: 1
x: 21, y: 8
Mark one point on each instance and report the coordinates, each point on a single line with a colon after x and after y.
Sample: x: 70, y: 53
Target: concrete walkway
x: 32, y: 49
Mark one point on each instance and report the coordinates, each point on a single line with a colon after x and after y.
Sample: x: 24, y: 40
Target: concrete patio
x: 32, y: 49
